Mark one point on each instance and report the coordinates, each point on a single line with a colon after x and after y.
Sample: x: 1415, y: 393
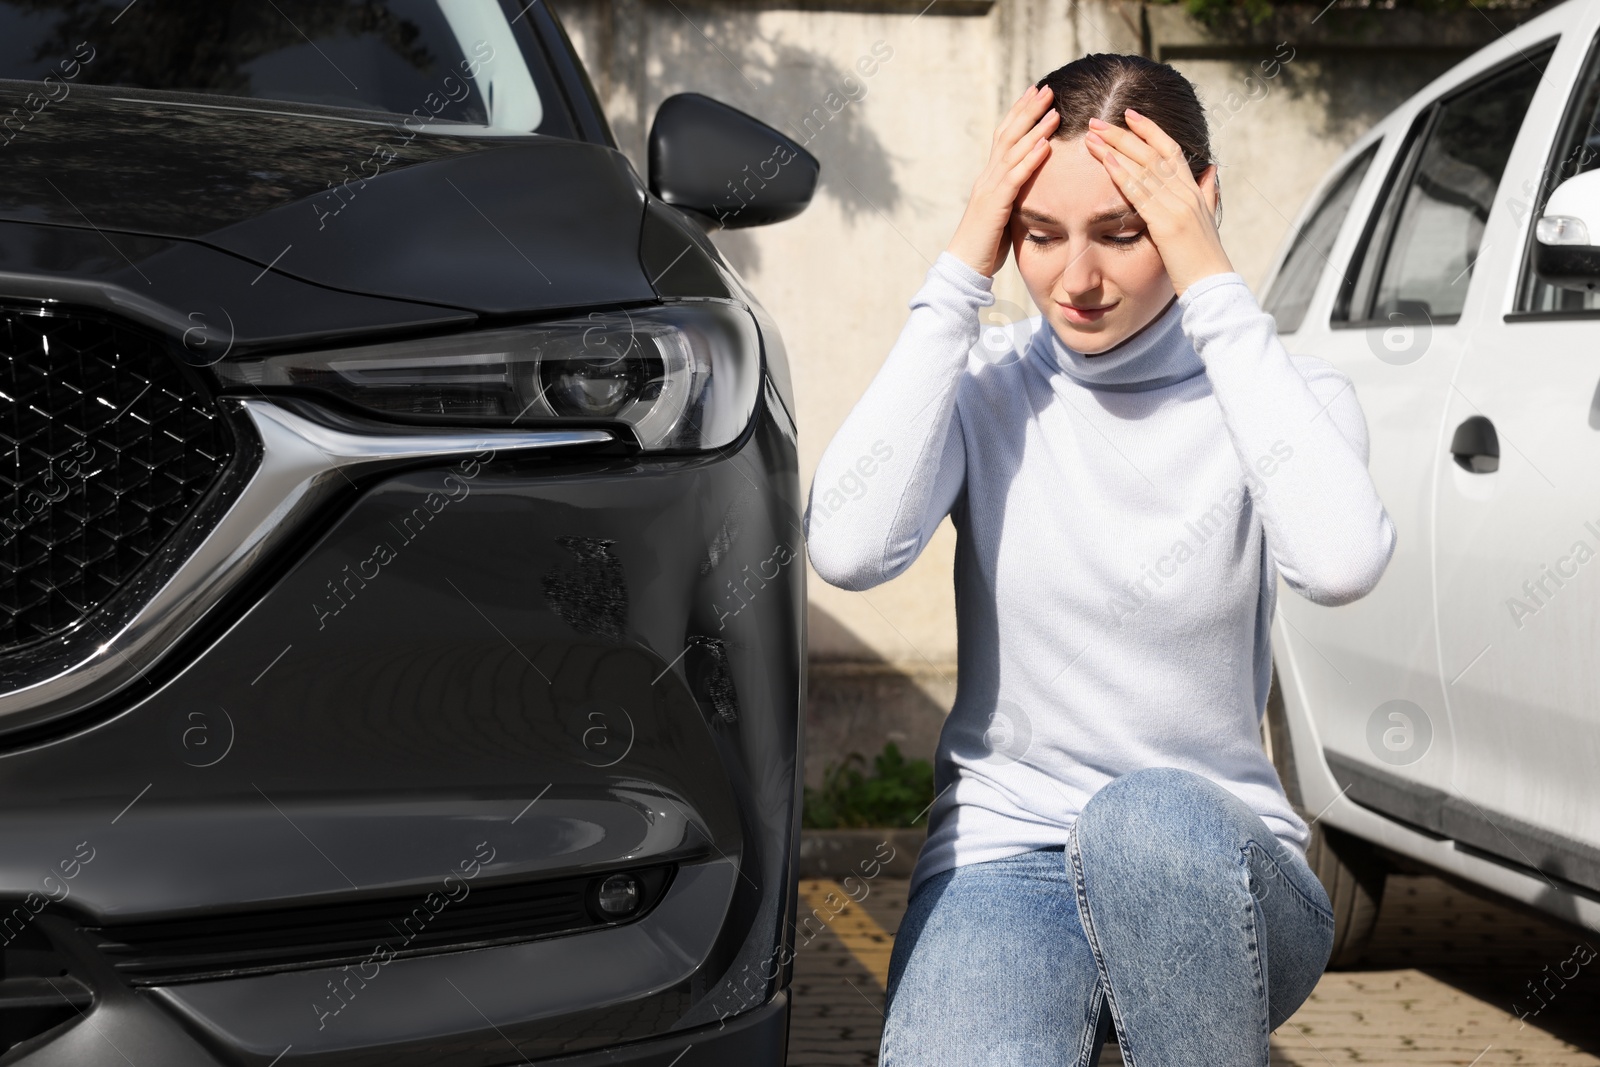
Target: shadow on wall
x: 822, y: 110
x: 1350, y: 64
x: 832, y: 641
x: 856, y: 700
x: 815, y: 98
x: 1349, y: 90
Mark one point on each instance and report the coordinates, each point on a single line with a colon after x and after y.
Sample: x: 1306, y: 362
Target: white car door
x: 1389, y: 313
x: 1366, y: 672
x: 1519, y: 534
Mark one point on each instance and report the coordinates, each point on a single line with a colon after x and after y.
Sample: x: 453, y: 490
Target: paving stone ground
x: 1442, y: 985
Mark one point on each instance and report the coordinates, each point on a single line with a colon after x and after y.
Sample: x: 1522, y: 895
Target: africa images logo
x: 1008, y: 734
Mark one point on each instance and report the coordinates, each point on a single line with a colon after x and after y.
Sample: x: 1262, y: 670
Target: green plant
x: 896, y: 794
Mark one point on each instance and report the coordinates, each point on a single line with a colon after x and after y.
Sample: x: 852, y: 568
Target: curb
x: 866, y: 853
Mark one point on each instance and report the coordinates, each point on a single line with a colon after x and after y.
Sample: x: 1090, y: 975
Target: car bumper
x: 561, y: 666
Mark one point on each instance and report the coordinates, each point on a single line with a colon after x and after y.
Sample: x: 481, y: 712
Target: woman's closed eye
x: 1122, y: 239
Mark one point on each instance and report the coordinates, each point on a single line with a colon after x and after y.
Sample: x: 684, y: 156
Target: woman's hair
x: 1101, y: 85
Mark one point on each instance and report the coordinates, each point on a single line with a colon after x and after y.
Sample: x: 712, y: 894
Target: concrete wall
x: 902, y: 98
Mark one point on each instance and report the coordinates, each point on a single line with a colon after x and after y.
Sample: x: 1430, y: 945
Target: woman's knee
x: 1155, y: 794
x: 1164, y: 811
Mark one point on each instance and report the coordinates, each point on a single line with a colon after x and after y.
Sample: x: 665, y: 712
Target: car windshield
x: 453, y: 65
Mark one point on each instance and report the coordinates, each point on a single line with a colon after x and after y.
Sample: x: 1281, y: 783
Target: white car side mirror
x: 1565, y: 254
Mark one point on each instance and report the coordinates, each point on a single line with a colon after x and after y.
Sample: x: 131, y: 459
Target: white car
x: 1449, y: 722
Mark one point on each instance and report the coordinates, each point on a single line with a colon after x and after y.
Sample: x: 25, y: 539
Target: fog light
x: 619, y: 895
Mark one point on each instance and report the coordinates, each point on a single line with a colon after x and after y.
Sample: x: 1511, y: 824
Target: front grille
x: 162, y: 952
x: 109, y: 443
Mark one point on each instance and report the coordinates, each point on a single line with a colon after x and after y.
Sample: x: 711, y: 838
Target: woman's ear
x: 1208, y: 186
x: 1211, y: 188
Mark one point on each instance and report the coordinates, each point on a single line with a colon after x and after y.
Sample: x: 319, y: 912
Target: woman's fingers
x: 1030, y: 140
x: 1019, y: 124
x: 1148, y: 144
x: 1157, y: 201
x: 1018, y: 148
x: 1152, y: 173
x: 1132, y: 178
x: 1130, y: 144
x: 1129, y: 181
x: 1018, y: 109
x: 1023, y: 167
x: 1125, y: 171
x: 1158, y: 138
x: 1144, y: 168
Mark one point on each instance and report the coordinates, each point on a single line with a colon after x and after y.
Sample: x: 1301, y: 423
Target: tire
x: 1352, y: 871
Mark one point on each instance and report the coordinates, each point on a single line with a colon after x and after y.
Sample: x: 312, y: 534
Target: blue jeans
x: 1173, y: 911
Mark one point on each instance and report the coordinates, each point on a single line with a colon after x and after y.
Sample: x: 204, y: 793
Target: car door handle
x: 1476, y: 446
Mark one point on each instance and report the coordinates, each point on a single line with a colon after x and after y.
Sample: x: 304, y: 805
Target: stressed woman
x: 1128, y: 478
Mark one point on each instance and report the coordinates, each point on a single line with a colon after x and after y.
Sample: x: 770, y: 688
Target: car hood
x: 492, y: 225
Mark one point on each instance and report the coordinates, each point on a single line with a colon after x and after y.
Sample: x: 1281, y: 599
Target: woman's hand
x: 1020, y: 145
x: 1151, y: 171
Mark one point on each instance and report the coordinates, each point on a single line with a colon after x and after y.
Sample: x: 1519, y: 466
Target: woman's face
x: 1083, y: 252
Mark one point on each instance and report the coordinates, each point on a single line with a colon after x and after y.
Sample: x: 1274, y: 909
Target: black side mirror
x: 715, y: 160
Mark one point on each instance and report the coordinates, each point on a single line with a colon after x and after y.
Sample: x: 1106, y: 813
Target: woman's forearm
x: 894, y: 467
x: 1302, y: 438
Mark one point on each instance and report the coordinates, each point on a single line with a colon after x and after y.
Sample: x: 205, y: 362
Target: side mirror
x: 1565, y: 254
x: 715, y: 160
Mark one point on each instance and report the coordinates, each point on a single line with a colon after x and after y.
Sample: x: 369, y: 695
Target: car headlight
x: 682, y: 376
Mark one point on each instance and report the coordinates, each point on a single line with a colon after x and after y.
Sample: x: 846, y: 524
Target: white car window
x: 1576, y: 149
x: 1291, y: 290
x: 1417, y: 260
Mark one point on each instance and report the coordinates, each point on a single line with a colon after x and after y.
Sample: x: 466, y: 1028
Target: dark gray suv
x: 403, y: 631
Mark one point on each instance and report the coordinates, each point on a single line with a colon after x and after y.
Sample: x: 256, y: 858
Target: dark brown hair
x: 1102, y: 84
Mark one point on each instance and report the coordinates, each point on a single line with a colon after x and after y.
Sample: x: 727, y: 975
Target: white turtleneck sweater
x: 1121, y: 523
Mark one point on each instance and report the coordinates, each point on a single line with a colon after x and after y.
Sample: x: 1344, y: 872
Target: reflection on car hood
x: 491, y: 224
